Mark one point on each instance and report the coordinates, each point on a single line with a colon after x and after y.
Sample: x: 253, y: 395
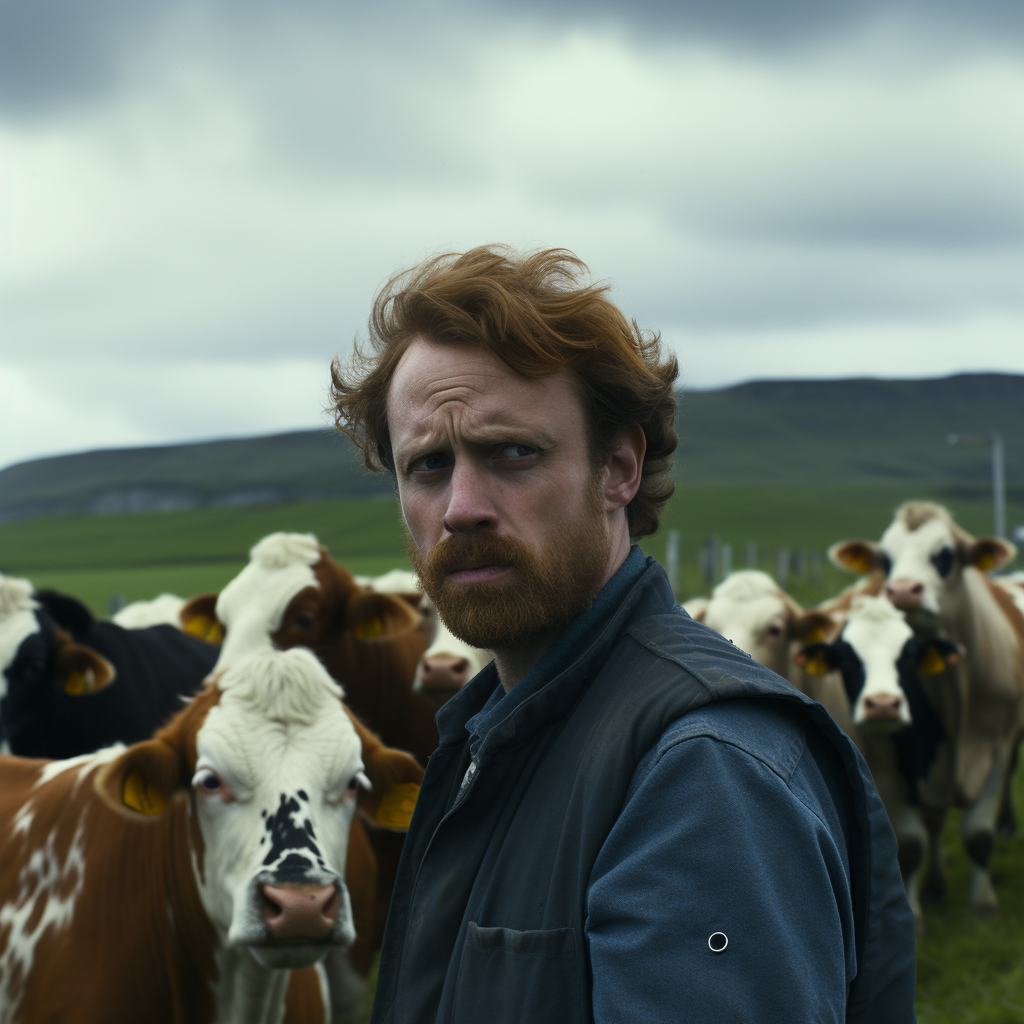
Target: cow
x: 54, y: 654
x: 448, y: 663
x: 881, y: 663
x: 293, y: 594
x: 222, y: 841
x: 935, y: 573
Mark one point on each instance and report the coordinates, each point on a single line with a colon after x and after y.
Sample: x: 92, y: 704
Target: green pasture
x: 970, y: 970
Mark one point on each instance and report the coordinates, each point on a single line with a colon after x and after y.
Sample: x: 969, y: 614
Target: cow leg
x: 978, y: 833
x: 912, y: 841
x: 935, y: 882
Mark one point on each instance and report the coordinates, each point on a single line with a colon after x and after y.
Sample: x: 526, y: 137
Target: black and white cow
x: 53, y: 652
x: 883, y: 666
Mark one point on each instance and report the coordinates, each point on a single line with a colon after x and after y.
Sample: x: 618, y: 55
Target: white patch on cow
x: 23, y: 819
x: 161, y: 611
x: 911, y: 552
x: 42, y: 877
x: 17, y: 622
x: 749, y: 608
x: 877, y: 632
x: 282, y: 742
x: 253, y: 604
x: 52, y: 769
x: 1014, y: 586
x: 394, y: 581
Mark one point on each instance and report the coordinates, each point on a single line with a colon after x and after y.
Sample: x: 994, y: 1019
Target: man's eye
x: 431, y: 463
x: 517, y: 451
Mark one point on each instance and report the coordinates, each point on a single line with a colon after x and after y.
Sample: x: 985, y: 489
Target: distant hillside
x: 762, y: 432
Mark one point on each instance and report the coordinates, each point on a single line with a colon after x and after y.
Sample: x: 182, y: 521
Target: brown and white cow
x: 935, y: 574
x: 196, y: 876
x: 293, y: 594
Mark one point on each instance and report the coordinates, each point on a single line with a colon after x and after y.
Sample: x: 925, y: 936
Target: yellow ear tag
x: 78, y: 683
x: 206, y: 628
x: 395, y: 811
x: 932, y: 664
x: 860, y: 563
x: 142, y: 796
x: 817, y: 666
x: 985, y: 561
x: 368, y: 628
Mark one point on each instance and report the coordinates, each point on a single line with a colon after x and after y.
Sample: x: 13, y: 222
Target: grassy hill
x: 763, y: 432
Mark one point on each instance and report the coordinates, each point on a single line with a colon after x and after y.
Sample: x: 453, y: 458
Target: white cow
x: 935, y: 574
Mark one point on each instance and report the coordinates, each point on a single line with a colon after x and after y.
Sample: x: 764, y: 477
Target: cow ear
x: 198, y: 617
x: 696, y: 608
x: 140, y: 782
x: 935, y: 656
x: 990, y: 553
x: 374, y: 616
x: 395, y: 778
x: 67, y: 612
x: 816, y: 659
x: 856, y: 555
x: 811, y: 627
x: 78, y: 669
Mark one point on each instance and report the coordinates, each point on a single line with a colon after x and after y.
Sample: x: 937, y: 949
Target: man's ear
x: 374, y: 616
x: 856, y: 555
x: 140, y: 782
x: 811, y: 627
x: 78, y: 670
x: 199, y: 618
x: 935, y: 656
x: 990, y: 553
x: 395, y: 777
x: 624, y: 467
x: 817, y: 659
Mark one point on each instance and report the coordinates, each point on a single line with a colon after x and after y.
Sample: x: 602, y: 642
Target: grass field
x: 969, y: 970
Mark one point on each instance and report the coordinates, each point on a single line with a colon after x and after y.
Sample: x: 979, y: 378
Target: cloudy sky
x: 199, y: 199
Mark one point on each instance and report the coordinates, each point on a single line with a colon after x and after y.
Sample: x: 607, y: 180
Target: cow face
x: 293, y: 594
x: 270, y: 763
x: 752, y: 611
x: 922, y: 555
x: 880, y: 658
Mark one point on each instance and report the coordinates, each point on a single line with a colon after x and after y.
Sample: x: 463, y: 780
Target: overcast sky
x: 200, y: 199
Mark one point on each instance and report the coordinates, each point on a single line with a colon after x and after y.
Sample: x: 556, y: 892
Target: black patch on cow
x: 884, y: 563
x: 287, y: 841
x: 917, y: 745
x: 302, y: 795
x: 846, y: 659
x: 943, y: 561
x: 68, y: 612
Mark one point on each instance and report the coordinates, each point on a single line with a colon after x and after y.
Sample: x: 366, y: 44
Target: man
x: 627, y: 818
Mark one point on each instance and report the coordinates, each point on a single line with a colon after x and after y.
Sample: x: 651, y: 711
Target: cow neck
x: 247, y: 992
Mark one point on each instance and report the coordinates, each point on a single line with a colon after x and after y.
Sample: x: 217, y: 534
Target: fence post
x: 782, y: 567
x: 672, y: 560
x: 726, y: 560
x: 751, y: 554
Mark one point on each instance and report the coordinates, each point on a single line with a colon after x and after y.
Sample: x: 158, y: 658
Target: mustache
x: 473, y: 550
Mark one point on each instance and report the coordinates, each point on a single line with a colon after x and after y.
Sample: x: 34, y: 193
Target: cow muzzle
x: 441, y: 675
x: 300, y: 913
x: 906, y: 595
x: 884, y: 712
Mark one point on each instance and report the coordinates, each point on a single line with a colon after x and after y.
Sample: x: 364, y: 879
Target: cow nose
x: 905, y: 594
x: 443, y: 672
x: 882, y: 705
x: 300, y: 912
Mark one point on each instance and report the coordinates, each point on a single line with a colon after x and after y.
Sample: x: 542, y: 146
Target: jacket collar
x: 649, y: 595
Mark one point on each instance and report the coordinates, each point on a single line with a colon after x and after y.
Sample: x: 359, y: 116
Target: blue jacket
x: 649, y: 788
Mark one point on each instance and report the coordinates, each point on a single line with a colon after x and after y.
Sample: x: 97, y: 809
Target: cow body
x: 53, y: 653
x: 935, y: 574
x: 221, y: 844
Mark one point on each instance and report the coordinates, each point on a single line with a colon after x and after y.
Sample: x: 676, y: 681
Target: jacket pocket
x: 511, y: 977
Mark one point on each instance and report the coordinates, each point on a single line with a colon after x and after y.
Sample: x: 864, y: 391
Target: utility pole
x: 998, y: 475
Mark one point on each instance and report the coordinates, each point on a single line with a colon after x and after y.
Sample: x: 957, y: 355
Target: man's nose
x: 469, y: 502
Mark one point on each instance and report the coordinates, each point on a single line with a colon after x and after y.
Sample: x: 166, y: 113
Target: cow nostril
x: 333, y: 905
x: 917, y: 588
x: 272, y: 910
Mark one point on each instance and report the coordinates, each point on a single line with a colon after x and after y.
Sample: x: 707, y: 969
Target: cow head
x: 293, y: 594
x: 271, y: 766
x: 41, y: 663
x: 880, y: 658
x: 750, y: 609
x: 923, y: 555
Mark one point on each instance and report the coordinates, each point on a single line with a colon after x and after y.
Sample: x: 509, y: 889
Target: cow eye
x: 773, y: 630
x: 884, y: 563
x: 943, y: 561
x: 303, y: 622
x: 359, y: 781
x: 206, y: 780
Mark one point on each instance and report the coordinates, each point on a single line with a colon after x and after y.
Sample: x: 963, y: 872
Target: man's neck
x: 513, y: 663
